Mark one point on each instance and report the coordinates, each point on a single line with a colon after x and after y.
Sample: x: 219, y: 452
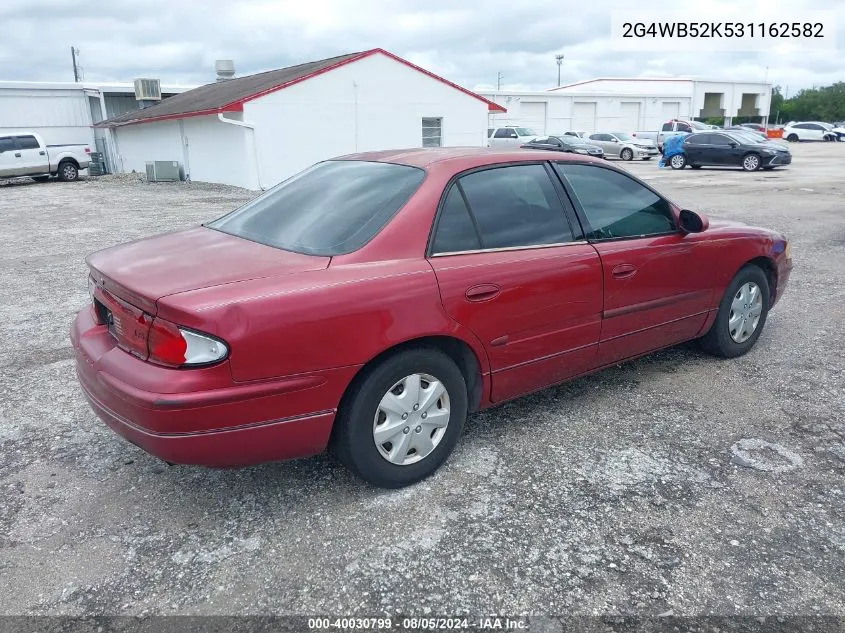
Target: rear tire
x: 792, y: 138
x: 68, y: 172
x: 727, y: 336
x: 678, y: 161
x: 375, y: 405
x: 626, y: 154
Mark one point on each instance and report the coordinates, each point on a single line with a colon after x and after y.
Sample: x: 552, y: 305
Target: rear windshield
x: 332, y: 208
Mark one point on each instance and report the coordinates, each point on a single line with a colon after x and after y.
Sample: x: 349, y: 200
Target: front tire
x: 678, y: 161
x: 627, y: 154
x: 402, y: 419
x: 751, y: 162
x: 68, y: 172
x: 792, y: 138
x: 742, y: 315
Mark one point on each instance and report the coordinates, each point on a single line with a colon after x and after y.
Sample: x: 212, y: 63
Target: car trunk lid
x: 144, y: 271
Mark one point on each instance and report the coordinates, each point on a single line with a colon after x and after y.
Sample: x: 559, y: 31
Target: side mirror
x: 691, y: 222
x: 734, y: 145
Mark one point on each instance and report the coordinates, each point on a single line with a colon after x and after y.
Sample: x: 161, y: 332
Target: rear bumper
x: 200, y: 416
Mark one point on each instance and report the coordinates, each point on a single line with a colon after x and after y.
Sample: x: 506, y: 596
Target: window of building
x: 432, y: 132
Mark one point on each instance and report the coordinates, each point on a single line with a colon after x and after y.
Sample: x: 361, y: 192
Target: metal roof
x: 230, y: 95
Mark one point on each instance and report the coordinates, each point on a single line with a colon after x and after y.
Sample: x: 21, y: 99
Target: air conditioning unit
x: 147, y: 90
x: 164, y: 171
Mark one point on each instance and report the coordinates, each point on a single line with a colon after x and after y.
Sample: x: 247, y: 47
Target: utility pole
x: 498, y: 81
x: 559, y: 59
x: 73, y: 53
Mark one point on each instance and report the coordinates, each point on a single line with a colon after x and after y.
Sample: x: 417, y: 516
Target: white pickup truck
x: 26, y: 154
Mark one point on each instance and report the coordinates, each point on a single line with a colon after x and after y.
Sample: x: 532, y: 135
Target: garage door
x: 671, y: 110
x: 584, y: 116
x: 629, y: 116
x: 533, y: 114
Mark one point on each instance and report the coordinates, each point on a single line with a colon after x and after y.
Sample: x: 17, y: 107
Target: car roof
x: 459, y: 157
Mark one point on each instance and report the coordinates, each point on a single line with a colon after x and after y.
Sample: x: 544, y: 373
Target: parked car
x: 564, y: 143
x: 26, y: 154
x: 509, y: 135
x: 376, y: 299
x: 757, y: 127
x: 730, y: 148
x: 839, y: 130
x: 677, y: 126
x: 759, y: 136
x: 809, y: 131
x: 624, y: 146
x: 578, y: 134
x: 645, y: 136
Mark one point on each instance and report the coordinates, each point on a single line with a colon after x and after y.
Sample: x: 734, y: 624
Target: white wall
x: 220, y: 152
x: 653, y: 87
x: 60, y: 116
x: 209, y: 150
x: 316, y: 119
x: 137, y: 144
x: 610, y: 115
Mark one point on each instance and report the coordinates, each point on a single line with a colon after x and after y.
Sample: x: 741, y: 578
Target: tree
x: 813, y: 104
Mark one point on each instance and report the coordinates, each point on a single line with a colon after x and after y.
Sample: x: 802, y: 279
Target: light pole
x: 769, y: 91
x: 498, y: 81
x: 559, y: 59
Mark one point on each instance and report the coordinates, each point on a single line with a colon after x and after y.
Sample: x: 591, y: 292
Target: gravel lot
x: 677, y: 482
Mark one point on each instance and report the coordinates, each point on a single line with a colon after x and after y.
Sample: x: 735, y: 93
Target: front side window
x: 615, y: 205
x: 332, y: 208
x: 515, y: 206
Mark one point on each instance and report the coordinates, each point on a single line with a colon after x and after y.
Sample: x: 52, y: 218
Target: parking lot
x: 677, y: 482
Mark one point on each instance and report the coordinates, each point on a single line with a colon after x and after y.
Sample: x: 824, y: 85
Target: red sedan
x: 377, y: 299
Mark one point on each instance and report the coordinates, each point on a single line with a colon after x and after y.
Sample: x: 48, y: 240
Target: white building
x: 64, y: 113
x: 255, y: 131
x: 628, y: 105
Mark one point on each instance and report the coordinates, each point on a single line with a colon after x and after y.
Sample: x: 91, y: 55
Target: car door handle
x: 17, y: 154
x: 41, y: 153
x: 482, y: 292
x: 624, y: 271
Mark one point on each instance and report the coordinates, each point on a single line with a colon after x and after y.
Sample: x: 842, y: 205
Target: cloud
x: 469, y: 43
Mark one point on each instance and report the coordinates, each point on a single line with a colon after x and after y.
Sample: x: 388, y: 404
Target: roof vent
x: 225, y: 69
x: 147, y: 90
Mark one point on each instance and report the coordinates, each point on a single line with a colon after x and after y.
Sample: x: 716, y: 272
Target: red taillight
x: 166, y: 344
x: 87, y: 150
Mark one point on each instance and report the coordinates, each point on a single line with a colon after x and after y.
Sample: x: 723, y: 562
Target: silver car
x: 624, y: 146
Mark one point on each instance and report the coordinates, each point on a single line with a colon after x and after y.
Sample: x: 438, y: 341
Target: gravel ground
x: 676, y: 483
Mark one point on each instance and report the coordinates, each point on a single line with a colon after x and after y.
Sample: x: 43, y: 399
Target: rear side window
x: 616, y: 205
x: 332, y: 208
x: 6, y: 144
x: 27, y: 142
x: 515, y: 206
x: 667, y: 127
x: 455, y: 228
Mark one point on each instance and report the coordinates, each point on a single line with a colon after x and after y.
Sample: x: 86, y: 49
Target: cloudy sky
x: 467, y: 41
